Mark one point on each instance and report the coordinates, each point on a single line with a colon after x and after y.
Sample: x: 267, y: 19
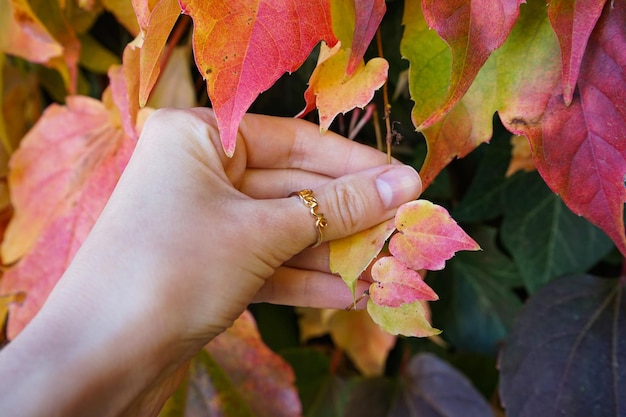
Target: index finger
x: 278, y: 142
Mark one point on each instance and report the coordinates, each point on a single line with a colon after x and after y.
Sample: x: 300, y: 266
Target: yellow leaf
x: 365, y: 343
x: 333, y: 92
x: 408, y: 319
x: 351, y: 255
x: 521, y: 156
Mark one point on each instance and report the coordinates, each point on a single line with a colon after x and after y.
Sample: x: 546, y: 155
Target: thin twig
x: 387, y: 110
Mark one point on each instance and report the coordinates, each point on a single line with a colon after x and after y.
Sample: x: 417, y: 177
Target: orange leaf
x: 243, y: 47
x: 429, y: 236
x: 157, y: 23
x: 24, y: 35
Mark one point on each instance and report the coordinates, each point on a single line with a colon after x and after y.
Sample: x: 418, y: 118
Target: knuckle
x: 349, y: 208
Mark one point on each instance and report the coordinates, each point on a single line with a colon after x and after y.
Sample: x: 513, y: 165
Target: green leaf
x: 545, y: 238
x: 321, y: 393
x: 96, y: 57
x: 484, y: 199
x: 477, y: 305
x: 566, y: 355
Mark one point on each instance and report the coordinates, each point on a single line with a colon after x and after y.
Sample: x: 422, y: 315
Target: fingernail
x: 398, y: 185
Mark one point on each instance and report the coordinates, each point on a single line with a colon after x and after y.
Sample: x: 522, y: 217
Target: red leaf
x: 369, y: 14
x: 581, y: 150
x: 473, y: 29
x: 573, y: 21
x: 243, y: 47
x: 263, y: 380
x: 396, y: 284
x: 429, y: 236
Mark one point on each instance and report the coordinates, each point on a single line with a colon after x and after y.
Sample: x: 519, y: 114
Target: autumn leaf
x: 24, y: 35
x: 340, y: 81
x: 124, y: 13
x: 467, y: 124
x: 368, y: 15
x: 582, y: 157
x: 243, y: 47
x: 409, y: 319
x: 238, y: 375
x: 60, y: 27
x: 156, y: 20
x: 428, y: 236
x: 60, y: 179
x: 521, y: 156
x: 333, y: 92
x: 365, y: 343
x: 351, y: 255
x: 44, y: 169
x: 573, y: 22
x: 395, y: 284
x: 472, y: 30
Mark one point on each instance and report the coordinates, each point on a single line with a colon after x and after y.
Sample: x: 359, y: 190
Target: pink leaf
x: 396, y: 284
x: 573, y: 21
x: 428, y: 236
x: 369, y: 14
x: 581, y: 155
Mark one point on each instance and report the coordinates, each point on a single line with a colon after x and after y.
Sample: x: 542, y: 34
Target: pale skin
x: 187, y: 241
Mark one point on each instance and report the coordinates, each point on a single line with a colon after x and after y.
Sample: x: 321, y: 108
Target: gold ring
x: 308, y: 198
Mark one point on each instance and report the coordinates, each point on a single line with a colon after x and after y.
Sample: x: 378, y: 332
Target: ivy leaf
x: 410, y: 319
x: 432, y: 388
x: 478, y: 303
x: 365, y: 343
x: 243, y: 47
x: 124, y: 13
x: 59, y: 25
x: 24, y: 35
x: 340, y: 81
x: 333, y: 92
x: 580, y: 155
x: 534, y: 214
x: 573, y: 22
x: 156, y: 20
x: 351, y: 255
x: 60, y: 179
x: 428, y: 236
x: 577, y: 325
x: 395, y: 284
x: 220, y: 383
x: 473, y: 30
x: 369, y: 14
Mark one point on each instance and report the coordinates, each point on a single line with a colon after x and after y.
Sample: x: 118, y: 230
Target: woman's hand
x: 190, y: 237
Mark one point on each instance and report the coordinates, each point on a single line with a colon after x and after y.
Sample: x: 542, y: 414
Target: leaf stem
x: 387, y: 110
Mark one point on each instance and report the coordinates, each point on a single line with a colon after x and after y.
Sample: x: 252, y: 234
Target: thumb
x: 348, y: 205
